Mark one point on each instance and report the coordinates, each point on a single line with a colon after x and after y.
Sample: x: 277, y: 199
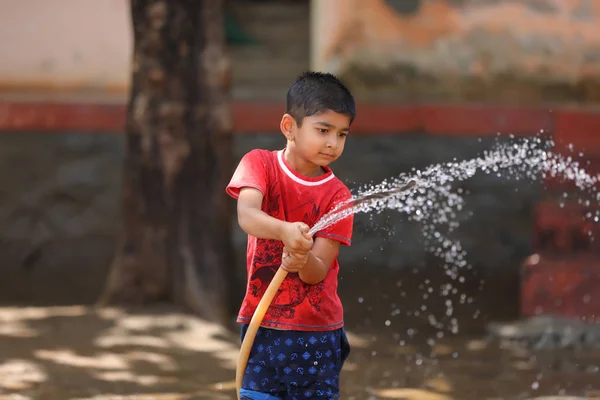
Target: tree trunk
x: 176, y: 243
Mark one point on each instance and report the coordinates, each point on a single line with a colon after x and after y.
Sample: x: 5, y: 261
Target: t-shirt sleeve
x: 341, y: 230
x: 250, y: 172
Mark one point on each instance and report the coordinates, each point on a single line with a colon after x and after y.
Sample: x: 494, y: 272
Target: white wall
x: 65, y: 44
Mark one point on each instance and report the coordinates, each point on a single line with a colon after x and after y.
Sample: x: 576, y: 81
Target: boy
x: 301, y: 345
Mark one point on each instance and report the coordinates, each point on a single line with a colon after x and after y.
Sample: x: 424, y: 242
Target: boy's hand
x: 295, y: 238
x: 293, y: 262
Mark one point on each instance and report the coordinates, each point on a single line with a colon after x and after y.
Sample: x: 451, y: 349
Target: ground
x: 81, y: 352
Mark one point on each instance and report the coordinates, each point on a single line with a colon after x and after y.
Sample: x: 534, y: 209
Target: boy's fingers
x: 300, y: 251
x: 289, y: 267
x: 303, y: 228
x: 301, y: 246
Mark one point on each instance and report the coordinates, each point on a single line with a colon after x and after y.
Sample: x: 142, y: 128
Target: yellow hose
x: 255, y: 322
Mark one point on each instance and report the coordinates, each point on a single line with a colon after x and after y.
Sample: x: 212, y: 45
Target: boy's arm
x: 253, y: 220
x: 319, y: 260
x: 259, y: 224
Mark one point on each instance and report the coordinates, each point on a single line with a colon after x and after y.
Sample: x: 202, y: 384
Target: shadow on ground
x: 160, y: 353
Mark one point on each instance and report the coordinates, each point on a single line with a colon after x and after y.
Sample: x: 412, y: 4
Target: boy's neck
x: 302, y: 166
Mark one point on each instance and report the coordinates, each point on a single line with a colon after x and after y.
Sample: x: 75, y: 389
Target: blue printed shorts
x: 294, y: 365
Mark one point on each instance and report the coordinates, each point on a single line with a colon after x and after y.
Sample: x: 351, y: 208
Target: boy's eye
x: 322, y: 130
x: 342, y: 134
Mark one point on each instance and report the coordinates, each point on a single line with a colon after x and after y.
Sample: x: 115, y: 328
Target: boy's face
x: 321, y: 138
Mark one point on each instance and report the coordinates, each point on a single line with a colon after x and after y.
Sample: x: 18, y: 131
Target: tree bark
x: 175, y: 243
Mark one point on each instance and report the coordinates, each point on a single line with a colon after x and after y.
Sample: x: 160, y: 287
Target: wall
x: 60, y: 213
x: 503, y: 50
x: 84, y: 47
x: 65, y: 44
x: 527, y: 51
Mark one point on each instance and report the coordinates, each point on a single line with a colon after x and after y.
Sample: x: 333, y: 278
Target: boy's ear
x: 288, y: 126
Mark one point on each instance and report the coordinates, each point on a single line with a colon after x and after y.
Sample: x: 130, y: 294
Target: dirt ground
x: 79, y: 352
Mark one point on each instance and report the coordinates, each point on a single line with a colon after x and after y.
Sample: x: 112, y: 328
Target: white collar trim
x: 296, y: 179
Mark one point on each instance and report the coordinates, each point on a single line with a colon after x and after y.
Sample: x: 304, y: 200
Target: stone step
x: 266, y: 69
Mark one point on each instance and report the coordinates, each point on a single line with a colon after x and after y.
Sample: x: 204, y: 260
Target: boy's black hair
x: 316, y: 92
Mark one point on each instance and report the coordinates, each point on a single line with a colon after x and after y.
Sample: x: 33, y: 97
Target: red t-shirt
x: 291, y: 197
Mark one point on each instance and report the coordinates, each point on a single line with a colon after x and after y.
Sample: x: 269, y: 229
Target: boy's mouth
x: 327, y: 155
